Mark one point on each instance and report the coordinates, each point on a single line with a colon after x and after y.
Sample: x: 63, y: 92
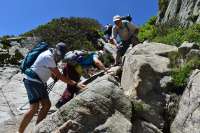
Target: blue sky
x: 18, y: 16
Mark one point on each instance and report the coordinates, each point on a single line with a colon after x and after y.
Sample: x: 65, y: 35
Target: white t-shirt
x: 42, y: 65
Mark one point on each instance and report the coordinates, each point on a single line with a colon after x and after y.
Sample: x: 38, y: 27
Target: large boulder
x: 17, y: 53
x: 188, y: 117
x: 153, y: 48
x: 18, y: 48
x: 13, y: 55
x: 143, y: 73
x: 117, y: 123
x: 89, y: 109
x: 147, y: 112
x: 143, y: 68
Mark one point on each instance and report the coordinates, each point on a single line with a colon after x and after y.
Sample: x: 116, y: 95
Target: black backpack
x: 128, y: 18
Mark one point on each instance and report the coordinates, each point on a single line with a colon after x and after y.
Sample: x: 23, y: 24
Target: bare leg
x: 46, y: 104
x: 28, y: 117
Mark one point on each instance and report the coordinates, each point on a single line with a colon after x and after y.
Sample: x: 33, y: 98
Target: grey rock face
x: 22, y: 51
x: 143, y: 73
x: 147, y: 48
x: 4, y: 55
x: 194, y: 53
x: 188, y: 116
x: 13, y: 96
x: 13, y: 55
x: 143, y: 69
x: 185, y: 11
x: 185, y: 48
x: 165, y: 81
x: 117, y: 123
x: 16, y: 53
x: 90, y: 109
x: 145, y: 127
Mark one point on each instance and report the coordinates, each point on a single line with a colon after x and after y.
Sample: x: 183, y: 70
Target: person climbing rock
x: 75, y: 63
x: 107, y: 32
x: 127, y: 33
x: 44, y: 66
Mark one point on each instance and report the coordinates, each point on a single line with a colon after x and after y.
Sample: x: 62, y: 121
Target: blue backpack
x: 30, y: 59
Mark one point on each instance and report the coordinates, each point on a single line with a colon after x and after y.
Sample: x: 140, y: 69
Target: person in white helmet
x: 75, y: 64
x: 127, y: 33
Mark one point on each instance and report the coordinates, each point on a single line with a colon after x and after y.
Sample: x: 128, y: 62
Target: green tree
x: 77, y: 33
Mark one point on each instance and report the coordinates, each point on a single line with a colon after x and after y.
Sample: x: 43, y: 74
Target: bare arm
x: 61, y: 77
x: 99, y: 64
x: 114, y: 36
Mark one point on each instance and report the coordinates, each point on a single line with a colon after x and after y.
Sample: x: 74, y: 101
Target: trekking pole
x: 49, y: 89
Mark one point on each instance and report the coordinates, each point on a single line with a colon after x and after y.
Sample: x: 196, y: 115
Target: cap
x: 116, y: 18
x: 62, y: 49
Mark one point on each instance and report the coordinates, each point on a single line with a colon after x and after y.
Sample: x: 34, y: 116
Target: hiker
x: 106, y: 45
x: 76, y: 62
x: 44, y: 65
x: 127, y: 33
x: 107, y: 32
x: 108, y: 28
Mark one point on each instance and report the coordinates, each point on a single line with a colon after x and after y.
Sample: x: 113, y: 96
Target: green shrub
x: 77, y: 33
x: 171, y: 33
x: 173, y: 37
x: 181, y: 74
x: 148, y: 31
x: 5, y: 42
x: 174, y: 58
x: 192, y: 34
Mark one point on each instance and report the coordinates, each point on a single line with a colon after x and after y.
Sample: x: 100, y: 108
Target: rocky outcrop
x: 17, y: 50
x: 117, y: 123
x: 194, y: 53
x: 154, y: 48
x: 144, y: 67
x: 16, y: 53
x: 143, y: 72
x: 188, y: 117
x: 142, y: 104
x: 92, y: 110
x: 184, y: 11
x: 185, y: 48
x: 145, y: 127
